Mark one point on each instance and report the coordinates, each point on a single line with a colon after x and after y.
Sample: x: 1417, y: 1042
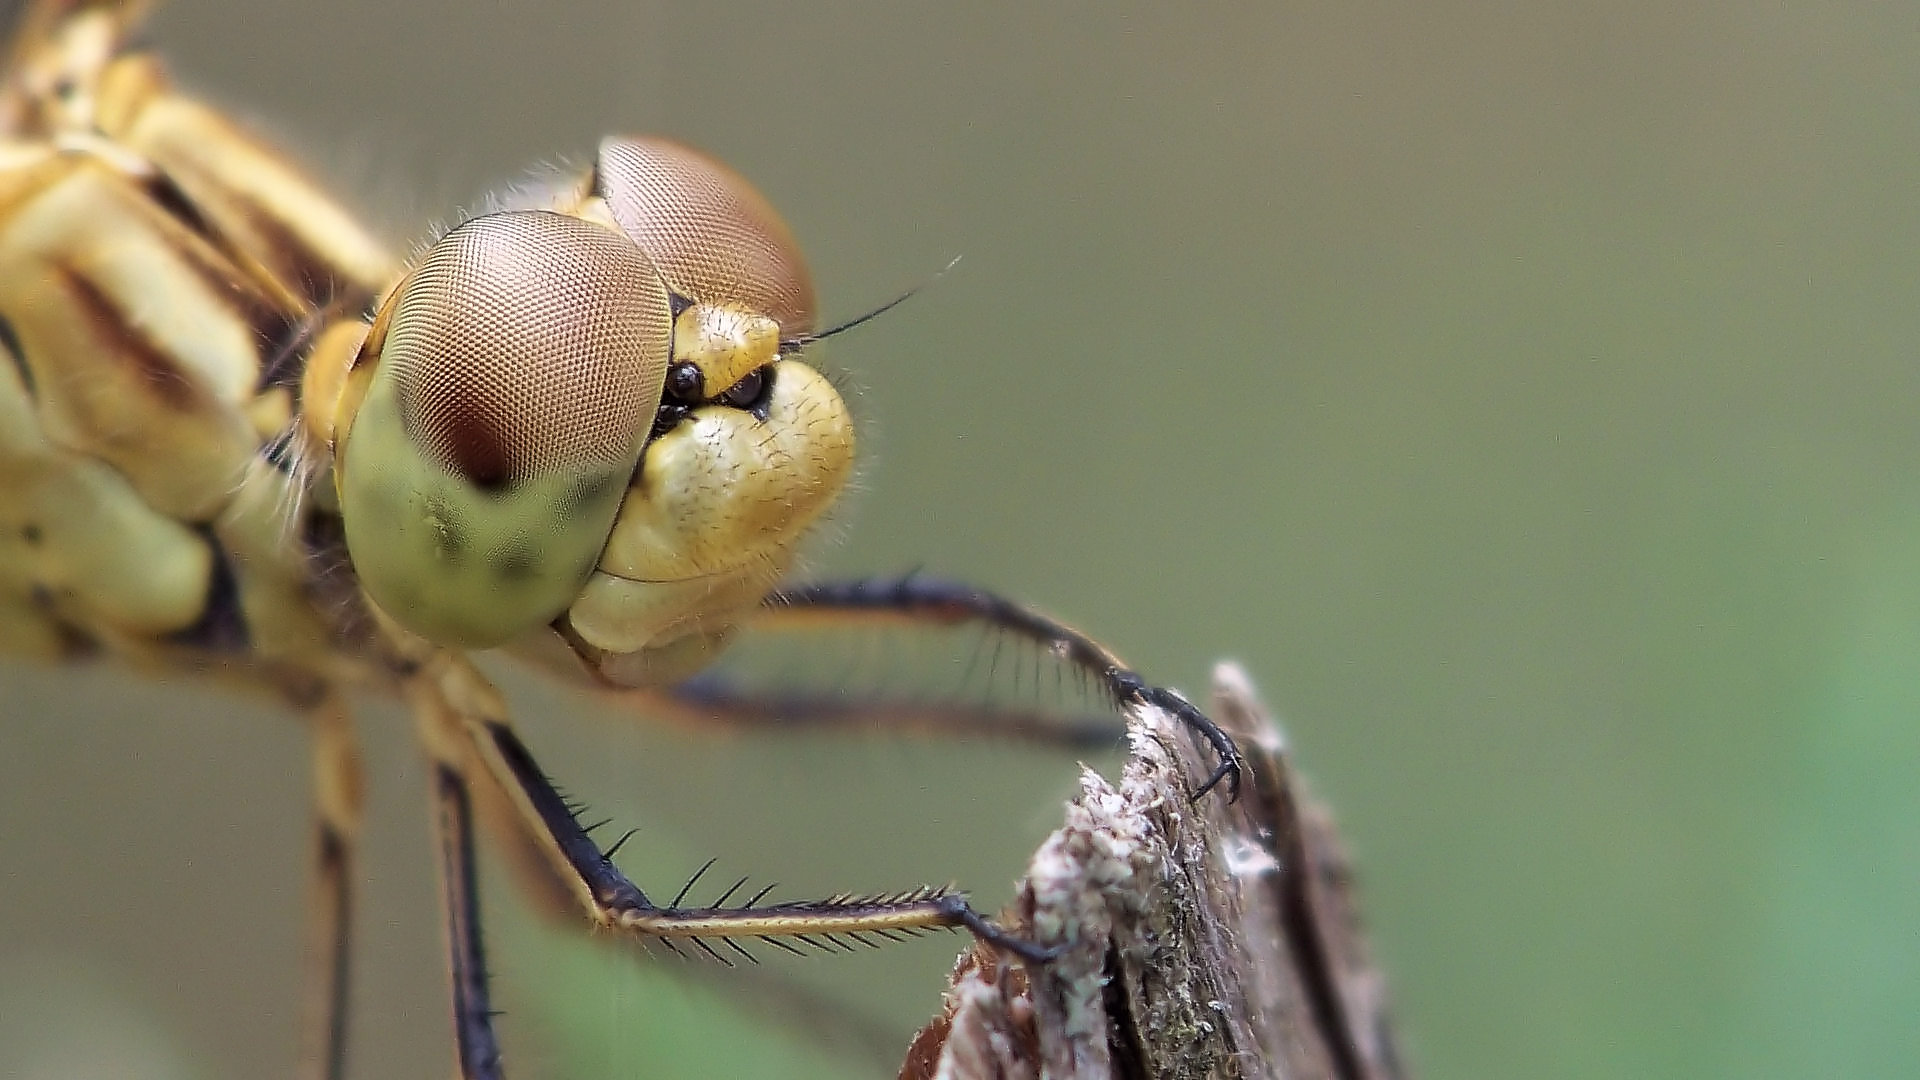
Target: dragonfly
x: 241, y: 441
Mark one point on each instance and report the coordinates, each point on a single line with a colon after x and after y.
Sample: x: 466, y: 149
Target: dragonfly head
x: 586, y: 417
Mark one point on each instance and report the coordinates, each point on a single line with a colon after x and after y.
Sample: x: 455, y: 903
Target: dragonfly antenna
x: 876, y: 312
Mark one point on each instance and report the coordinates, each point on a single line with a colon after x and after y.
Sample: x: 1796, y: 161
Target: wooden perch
x: 1207, y: 939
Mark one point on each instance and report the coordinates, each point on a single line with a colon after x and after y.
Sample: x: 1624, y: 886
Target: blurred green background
x: 1525, y: 392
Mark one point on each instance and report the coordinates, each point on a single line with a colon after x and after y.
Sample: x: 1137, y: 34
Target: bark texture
x: 1205, y: 939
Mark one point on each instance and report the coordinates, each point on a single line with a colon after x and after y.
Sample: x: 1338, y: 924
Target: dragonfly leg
x: 474, y: 1040
x: 337, y: 798
x: 931, y: 601
x: 457, y: 694
x: 712, y: 698
x: 451, y: 761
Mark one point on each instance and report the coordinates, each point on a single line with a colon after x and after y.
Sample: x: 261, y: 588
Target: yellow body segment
x: 139, y: 315
x: 78, y: 545
x: 302, y: 240
x: 142, y: 349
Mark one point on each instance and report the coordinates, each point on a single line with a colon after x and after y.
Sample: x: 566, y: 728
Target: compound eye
x: 715, y: 238
x: 527, y: 343
x: 515, y: 384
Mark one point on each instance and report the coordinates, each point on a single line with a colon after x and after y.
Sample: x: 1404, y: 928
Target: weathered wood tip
x: 1204, y: 939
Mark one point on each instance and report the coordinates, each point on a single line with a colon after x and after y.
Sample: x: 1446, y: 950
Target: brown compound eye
x: 527, y: 343
x: 517, y: 380
x: 715, y: 238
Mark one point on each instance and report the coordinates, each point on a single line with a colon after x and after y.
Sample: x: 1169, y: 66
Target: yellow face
x: 591, y: 418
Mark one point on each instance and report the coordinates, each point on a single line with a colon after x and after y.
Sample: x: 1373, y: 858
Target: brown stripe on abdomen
x: 173, y: 385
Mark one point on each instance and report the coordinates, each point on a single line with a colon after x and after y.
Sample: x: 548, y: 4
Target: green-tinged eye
x: 517, y: 379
